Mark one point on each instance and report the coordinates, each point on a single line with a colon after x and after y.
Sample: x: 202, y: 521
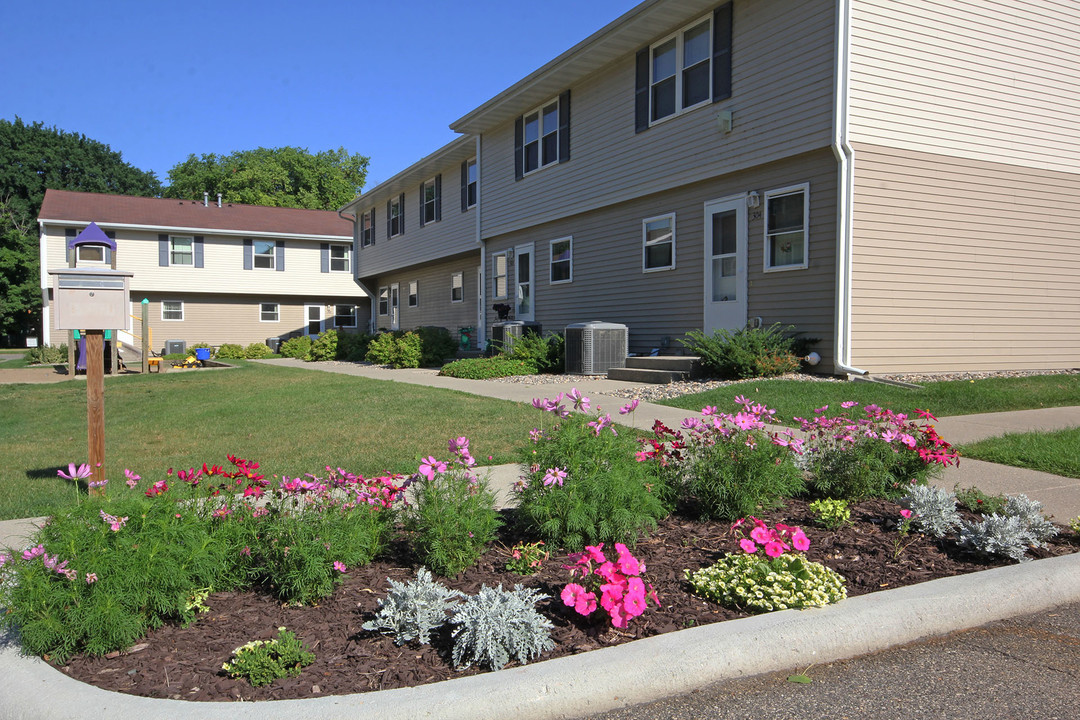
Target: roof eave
x: 454, y: 152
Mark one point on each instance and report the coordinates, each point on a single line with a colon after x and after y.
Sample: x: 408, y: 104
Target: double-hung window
x: 431, y: 201
x: 658, y: 243
x: 264, y: 254
x: 395, y: 221
x: 470, y: 176
x: 340, y: 258
x: 414, y: 295
x: 367, y: 228
x: 172, y: 309
x: 681, y: 71
x: 345, y: 316
x: 384, y: 301
x: 181, y: 250
x: 457, y: 287
x: 787, y: 218
x: 498, y: 276
x: 562, y: 260
x: 269, y: 312
x: 542, y: 136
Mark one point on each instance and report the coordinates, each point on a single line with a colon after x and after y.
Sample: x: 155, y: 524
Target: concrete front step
x: 680, y: 363
x: 657, y: 369
x: 643, y: 375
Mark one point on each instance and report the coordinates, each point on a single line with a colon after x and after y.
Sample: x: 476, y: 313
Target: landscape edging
x: 628, y: 674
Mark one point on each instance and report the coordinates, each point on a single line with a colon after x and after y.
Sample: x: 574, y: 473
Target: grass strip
x: 1057, y: 453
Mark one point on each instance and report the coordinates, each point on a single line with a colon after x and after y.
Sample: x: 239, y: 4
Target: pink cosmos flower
x: 76, y: 473
x: 580, y: 401
x: 157, y: 488
x: 746, y: 421
x: 31, y: 553
x: 554, y: 476
x: 221, y: 512
x: 91, y: 578
x: 459, y: 445
x: 905, y: 513
x: 924, y: 414
x: 429, y: 466
x: 848, y: 404
x: 742, y: 400
x: 820, y: 410
x: 340, y: 566
x: 4, y: 559
x: 708, y: 410
x: 629, y: 407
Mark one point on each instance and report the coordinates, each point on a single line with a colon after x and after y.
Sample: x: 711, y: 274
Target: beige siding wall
x: 223, y: 269
x: 781, y: 99
x: 609, y: 285
x: 962, y: 264
x: 433, y: 295
x: 454, y: 233
x: 993, y: 80
x: 218, y: 319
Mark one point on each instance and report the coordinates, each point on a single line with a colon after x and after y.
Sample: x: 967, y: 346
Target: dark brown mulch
x: 185, y: 663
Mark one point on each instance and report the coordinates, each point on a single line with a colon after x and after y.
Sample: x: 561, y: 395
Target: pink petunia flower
x: 800, y: 541
x: 775, y: 548
x: 905, y: 513
x: 748, y: 546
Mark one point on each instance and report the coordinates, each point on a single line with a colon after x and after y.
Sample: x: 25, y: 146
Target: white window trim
x: 434, y: 200
x: 347, y: 258
x: 414, y: 292
x: 277, y: 312
x: 678, y: 35
x: 804, y: 188
x: 539, y: 110
x: 255, y: 255
x: 396, y: 203
x: 471, y: 166
x: 179, y: 319
x: 645, y: 242
x: 459, y: 275
x: 551, y: 260
x: 336, y: 316
x: 495, y: 275
x: 379, y: 301
x: 369, y: 217
x: 105, y: 250
x: 172, y: 250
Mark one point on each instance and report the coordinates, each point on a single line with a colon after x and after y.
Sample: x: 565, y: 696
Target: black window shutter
x: 519, y: 144
x: 279, y: 263
x: 438, y: 197
x: 388, y: 218
x: 163, y: 250
x: 324, y: 257
x: 401, y: 213
x: 721, y: 61
x: 564, y: 126
x: 641, y: 91
x: 372, y: 225
x: 422, y: 198
x: 464, y: 186
x: 249, y: 253
x: 197, y: 250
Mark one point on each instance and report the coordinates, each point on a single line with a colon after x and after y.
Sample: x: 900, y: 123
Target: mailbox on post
x: 90, y: 298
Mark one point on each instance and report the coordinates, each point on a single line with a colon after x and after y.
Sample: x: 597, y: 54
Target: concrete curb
x: 602, y: 680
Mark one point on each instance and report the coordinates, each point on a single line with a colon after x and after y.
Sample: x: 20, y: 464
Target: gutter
x: 845, y: 187
x: 481, y: 329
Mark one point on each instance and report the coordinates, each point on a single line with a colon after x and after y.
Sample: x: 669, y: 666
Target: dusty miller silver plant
x: 496, y: 625
x: 414, y: 610
x: 934, y: 510
x: 1022, y: 526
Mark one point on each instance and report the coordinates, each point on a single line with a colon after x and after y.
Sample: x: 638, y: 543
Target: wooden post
x: 146, y: 336
x: 71, y: 353
x: 95, y: 406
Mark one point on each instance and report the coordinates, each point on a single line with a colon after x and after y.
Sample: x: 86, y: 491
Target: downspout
x: 845, y: 185
x: 481, y: 330
x: 43, y: 282
x: 356, y: 268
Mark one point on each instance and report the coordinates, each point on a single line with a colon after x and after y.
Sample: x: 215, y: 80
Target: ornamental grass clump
x: 261, y: 662
x: 453, y: 515
x: 727, y: 466
x: 785, y: 580
x: 495, y: 626
x: 876, y: 455
x: 580, y: 484
x: 414, y: 610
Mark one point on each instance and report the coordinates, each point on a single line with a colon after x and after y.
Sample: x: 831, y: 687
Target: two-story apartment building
x: 213, y: 272
x: 898, y: 179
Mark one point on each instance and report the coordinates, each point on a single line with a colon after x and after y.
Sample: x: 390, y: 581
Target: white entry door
x: 725, y: 264
x: 313, y: 314
x: 394, y: 296
x: 525, y: 304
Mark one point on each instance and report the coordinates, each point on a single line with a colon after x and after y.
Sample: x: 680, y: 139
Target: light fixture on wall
x: 724, y: 120
x: 510, y: 254
x: 753, y: 199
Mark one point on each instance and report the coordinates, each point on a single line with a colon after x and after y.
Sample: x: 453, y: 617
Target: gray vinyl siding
x: 609, y: 285
x: 433, y: 285
x: 963, y: 264
x: 782, y: 89
x: 453, y: 234
x: 218, y: 319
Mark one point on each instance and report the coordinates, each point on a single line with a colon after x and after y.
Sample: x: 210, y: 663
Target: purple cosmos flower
x: 629, y: 407
x: 76, y: 473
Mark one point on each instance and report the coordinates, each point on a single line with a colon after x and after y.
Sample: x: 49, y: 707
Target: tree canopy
x: 34, y: 158
x: 279, y: 177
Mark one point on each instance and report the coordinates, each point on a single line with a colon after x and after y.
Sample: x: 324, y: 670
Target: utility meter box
x: 90, y: 298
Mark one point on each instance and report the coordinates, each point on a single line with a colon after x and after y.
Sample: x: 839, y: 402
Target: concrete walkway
x: 680, y: 664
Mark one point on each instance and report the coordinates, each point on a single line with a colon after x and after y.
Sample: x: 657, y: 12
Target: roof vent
x: 205, y: 199
x: 219, y: 199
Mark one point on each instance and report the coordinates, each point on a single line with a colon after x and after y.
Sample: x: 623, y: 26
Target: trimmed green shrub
x: 396, y: 350
x: 436, y: 345
x: 296, y: 347
x: 746, y: 353
x: 324, y: 347
x: 47, y: 355
x: 353, y: 347
x: 546, y: 354
x: 230, y: 351
x: 484, y: 368
x: 257, y: 351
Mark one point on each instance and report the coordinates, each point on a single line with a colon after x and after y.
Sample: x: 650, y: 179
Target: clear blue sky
x: 160, y: 81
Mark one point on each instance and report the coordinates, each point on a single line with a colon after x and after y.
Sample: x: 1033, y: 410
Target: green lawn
x: 1053, y: 452
x: 792, y: 398
x: 292, y: 421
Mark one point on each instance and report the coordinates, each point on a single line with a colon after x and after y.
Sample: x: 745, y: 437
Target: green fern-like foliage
x: 414, y: 610
x: 453, y: 518
x: 496, y: 626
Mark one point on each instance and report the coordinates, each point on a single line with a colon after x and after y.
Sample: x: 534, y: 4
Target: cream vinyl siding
x: 609, y: 284
x: 433, y: 292
x: 781, y: 99
x: 962, y: 264
x: 455, y: 233
x: 223, y: 270
x: 978, y: 79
